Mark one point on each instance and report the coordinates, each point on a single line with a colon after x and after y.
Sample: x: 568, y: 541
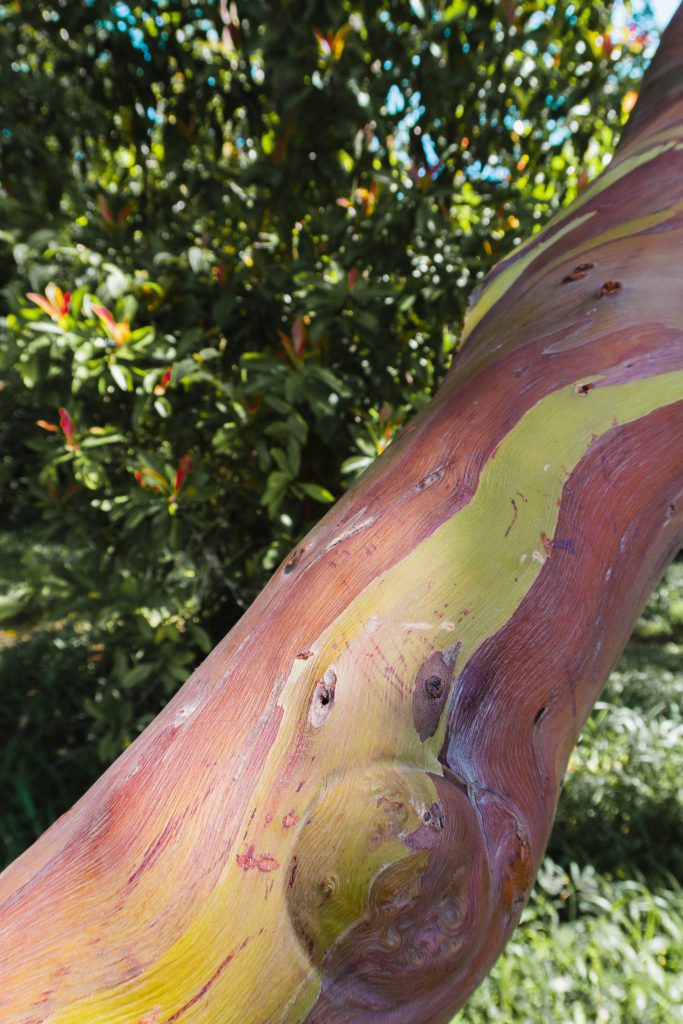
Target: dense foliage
x: 236, y: 247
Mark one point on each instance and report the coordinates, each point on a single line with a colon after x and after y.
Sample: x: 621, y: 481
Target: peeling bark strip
x: 340, y: 815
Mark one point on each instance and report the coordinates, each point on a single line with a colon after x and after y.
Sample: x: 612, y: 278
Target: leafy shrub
x: 618, y: 958
x: 47, y: 755
x: 236, y: 249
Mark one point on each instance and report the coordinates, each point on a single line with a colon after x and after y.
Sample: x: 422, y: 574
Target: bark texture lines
x: 340, y: 815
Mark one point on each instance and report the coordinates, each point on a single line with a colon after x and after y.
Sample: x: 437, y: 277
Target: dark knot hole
x: 434, y: 687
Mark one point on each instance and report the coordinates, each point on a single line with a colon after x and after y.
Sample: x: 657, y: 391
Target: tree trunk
x: 340, y: 815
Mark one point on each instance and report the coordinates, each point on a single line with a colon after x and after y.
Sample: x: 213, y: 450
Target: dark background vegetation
x: 269, y: 217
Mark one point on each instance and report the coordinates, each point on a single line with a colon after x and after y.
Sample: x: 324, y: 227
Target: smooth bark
x: 341, y: 814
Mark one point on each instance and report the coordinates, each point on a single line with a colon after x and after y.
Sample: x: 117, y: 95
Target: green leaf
x: 293, y: 456
x: 356, y: 463
x: 122, y: 376
x: 276, y: 486
x: 281, y: 460
x: 317, y: 493
x: 45, y: 327
x: 95, y: 440
x: 136, y: 675
x: 200, y: 636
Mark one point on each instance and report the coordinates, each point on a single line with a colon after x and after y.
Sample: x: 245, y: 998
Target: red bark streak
x: 153, y: 851
x: 514, y: 516
x: 664, y: 358
x: 205, y: 988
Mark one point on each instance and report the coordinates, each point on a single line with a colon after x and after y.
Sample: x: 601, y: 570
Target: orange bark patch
x: 264, y: 862
x: 519, y: 872
x: 577, y: 273
x: 152, y: 1017
x: 610, y: 288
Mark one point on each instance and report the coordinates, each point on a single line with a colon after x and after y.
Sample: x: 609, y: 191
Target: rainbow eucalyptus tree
x: 340, y: 815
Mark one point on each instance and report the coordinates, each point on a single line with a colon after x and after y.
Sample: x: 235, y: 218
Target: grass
x: 589, y: 949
